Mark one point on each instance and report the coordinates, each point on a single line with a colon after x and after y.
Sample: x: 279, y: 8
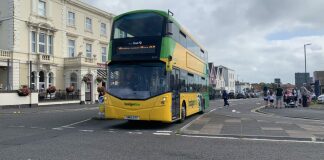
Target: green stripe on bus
x: 167, y: 47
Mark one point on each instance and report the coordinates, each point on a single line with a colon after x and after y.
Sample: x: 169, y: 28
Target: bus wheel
x: 183, y: 112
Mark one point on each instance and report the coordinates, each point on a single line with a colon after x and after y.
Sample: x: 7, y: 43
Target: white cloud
x: 234, y: 32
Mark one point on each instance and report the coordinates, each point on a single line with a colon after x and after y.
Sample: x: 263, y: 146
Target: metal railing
x: 59, y: 95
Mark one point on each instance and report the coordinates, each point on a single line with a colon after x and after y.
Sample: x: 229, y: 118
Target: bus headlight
x: 163, y: 100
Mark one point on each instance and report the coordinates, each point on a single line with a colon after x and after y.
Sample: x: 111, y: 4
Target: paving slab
x: 299, y: 112
x: 214, y: 124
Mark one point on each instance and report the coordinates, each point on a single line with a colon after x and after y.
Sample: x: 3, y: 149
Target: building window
x: 50, y: 44
x: 71, y: 19
x: 89, y: 50
x: 104, y: 54
x: 42, y: 8
x: 33, y: 41
x: 42, y: 43
x: 103, y: 29
x: 71, y: 48
x: 74, y: 80
x: 50, y: 79
x: 88, y: 24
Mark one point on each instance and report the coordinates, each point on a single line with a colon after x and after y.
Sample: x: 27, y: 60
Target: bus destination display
x: 136, y: 49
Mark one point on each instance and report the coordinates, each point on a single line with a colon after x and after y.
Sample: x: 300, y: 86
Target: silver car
x: 320, y: 99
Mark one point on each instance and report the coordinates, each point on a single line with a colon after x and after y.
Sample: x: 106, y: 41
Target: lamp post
x: 305, y: 60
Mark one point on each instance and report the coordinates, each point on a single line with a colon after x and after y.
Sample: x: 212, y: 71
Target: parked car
x: 247, y: 95
x: 320, y: 99
x: 231, y: 95
x: 252, y: 95
x: 240, y: 96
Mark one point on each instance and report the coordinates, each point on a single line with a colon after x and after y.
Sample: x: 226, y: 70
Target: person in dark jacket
x: 225, y: 97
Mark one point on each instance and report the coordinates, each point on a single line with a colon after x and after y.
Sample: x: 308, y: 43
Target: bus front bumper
x: 161, y: 113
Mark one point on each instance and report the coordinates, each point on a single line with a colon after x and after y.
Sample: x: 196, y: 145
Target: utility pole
x: 305, y: 60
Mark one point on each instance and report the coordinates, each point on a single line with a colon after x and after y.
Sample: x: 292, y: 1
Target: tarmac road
x: 70, y: 132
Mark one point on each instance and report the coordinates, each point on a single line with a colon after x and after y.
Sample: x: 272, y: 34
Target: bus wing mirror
x: 169, y: 28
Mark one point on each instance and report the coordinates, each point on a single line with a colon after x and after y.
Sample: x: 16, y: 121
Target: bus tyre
x: 183, y: 113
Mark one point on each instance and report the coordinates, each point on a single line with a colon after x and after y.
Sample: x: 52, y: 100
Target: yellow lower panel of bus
x: 154, y: 109
x: 192, y: 102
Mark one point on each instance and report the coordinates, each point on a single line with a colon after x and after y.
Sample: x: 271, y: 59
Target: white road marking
x: 162, y: 134
x: 85, y: 130
x: 67, y: 127
x: 212, y: 110
x: 70, y: 110
x: 16, y: 126
x: 135, y: 132
x: 252, y: 139
x: 164, y: 131
x: 72, y: 124
x: 37, y: 127
x: 60, y: 129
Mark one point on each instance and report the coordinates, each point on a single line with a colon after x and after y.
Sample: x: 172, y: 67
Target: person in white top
x: 271, y: 98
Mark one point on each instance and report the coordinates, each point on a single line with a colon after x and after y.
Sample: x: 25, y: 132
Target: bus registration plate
x: 132, y: 117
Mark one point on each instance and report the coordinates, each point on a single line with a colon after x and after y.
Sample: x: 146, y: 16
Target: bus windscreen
x: 138, y: 25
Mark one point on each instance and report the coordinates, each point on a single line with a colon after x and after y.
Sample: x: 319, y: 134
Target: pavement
x: 240, y: 123
x: 315, y: 112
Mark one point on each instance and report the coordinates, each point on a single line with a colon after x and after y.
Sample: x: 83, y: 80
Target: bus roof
x: 164, y: 14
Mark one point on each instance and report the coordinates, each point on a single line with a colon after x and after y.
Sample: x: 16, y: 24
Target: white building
x: 53, y: 42
x: 242, y: 87
x: 229, y: 78
x: 220, y: 82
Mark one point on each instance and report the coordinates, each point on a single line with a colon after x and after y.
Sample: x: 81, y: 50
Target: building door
x: 175, y: 87
x: 88, y: 91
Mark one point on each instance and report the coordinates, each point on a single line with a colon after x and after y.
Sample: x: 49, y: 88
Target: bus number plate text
x: 132, y: 117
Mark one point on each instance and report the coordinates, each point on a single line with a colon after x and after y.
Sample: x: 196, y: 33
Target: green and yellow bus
x: 156, y: 70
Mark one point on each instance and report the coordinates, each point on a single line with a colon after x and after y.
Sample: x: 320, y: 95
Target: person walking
x: 304, y: 93
x: 266, y: 97
x: 279, y: 94
x: 271, y: 98
x: 225, y: 97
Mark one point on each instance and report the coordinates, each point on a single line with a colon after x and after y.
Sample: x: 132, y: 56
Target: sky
x: 259, y: 39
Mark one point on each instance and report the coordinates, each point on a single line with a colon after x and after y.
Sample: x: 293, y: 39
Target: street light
x: 305, y: 60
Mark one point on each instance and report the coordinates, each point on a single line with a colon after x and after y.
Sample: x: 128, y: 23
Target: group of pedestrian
x: 269, y: 96
x: 286, y: 97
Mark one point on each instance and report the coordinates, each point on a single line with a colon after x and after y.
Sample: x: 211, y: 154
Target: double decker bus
x: 156, y: 70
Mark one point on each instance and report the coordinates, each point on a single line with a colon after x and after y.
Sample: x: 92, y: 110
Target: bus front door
x: 175, y: 86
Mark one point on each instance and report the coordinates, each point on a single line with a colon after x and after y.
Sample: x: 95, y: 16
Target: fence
x: 59, y: 95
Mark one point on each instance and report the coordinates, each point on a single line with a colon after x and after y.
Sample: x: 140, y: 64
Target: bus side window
x: 175, y: 31
x: 190, y: 86
x: 183, y: 40
x: 172, y: 82
x: 183, y: 80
